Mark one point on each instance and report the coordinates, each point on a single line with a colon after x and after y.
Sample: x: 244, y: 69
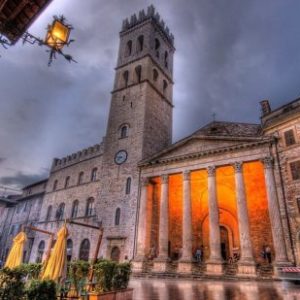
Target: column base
x: 137, y: 266
x: 277, y: 266
x: 185, y: 266
x: 246, y: 269
x: 214, y: 267
x: 138, y: 263
x: 160, y: 264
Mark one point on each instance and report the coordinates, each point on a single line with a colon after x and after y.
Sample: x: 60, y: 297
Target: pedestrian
x: 263, y: 253
x: 198, y: 255
x: 268, y: 254
x: 152, y: 253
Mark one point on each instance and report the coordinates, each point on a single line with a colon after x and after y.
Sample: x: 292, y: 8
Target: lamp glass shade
x: 57, y: 35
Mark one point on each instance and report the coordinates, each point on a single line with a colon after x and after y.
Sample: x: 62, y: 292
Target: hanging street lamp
x: 57, y: 37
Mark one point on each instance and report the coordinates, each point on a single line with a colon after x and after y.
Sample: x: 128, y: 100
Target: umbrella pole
x: 91, y: 272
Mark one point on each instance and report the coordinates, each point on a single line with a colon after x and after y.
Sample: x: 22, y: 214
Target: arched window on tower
x: 60, y: 212
x: 155, y: 75
x: 90, y: 209
x: 140, y: 43
x: 128, y: 48
x: 128, y: 186
x: 49, y: 212
x: 80, y: 178
x: 138, y: 72
x: 124, y: 131
x: 94, y: 174
x: 165, y: 86
x: 126, y: 77
x: 75, y: 209
x: 55, y: 185
x: 166, y: 58
x: 67, y: 182
x: 157, y: 47
x: 117, y: 216
x: 69, y: 249
x: 40, y: 252
x: 84, y: 251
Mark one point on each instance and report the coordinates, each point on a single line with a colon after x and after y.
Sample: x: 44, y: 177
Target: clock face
x: 120, y: 157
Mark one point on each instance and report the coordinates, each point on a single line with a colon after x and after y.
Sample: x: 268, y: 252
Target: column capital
x: 268, y: 162
x: 144, y: 181
x: 211, y: 171
x: 165, y: 178
x: 186, y: 175
x: 238, y: 166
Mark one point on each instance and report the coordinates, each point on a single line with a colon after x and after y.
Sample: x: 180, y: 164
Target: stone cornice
x: 151, y: 84
x: 195, y: 155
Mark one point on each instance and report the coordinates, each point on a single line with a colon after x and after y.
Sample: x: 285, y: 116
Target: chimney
x: 265, y: 107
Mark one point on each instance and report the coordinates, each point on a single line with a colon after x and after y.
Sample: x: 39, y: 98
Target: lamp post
x: 57, y: 37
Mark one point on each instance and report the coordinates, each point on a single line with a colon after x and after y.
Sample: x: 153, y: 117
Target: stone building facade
x: 229, y: 189
x: 20, y: 211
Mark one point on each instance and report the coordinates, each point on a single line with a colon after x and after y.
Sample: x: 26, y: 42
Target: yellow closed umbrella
x: 55, y: 266
x: 15, y: 255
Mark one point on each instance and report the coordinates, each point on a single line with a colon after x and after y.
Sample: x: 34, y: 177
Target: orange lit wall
x: 227, y: 203
x: 260, y: 227
x: 199, y: 206
x: 175, y: 210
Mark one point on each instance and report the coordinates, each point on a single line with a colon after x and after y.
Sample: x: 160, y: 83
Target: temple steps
x: 264, y: 272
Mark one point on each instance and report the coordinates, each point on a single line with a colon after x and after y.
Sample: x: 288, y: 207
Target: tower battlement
x: 74, y: 158
x: 151, y: 14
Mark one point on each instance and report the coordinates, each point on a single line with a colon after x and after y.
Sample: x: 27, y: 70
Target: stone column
x: 214, y: 263
x: 185, y: 264
x: 246, y: 263
x: 142, y: 226
x: 160, y: 262
x: 274, y: 212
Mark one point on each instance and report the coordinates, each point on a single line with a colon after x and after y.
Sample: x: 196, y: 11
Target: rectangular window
x: 289, y: 137
x: 295, y: 169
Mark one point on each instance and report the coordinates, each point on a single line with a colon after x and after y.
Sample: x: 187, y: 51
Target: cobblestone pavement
x: 161, y: 289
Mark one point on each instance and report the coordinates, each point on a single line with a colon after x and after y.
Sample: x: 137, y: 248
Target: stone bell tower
x: 140, y: 120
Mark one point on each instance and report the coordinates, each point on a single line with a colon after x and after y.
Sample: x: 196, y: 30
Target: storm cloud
x: 229, y: 56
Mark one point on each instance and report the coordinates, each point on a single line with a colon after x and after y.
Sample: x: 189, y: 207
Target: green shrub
x: 104, y: 272
x: 77, y: 273
x: 11, y: 284
x: 121, y: 276
x: 41, y: 290
x: 31, y: 270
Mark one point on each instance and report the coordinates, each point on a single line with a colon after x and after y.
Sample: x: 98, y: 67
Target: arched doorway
x: 225, y: 248
x: 115, y: 254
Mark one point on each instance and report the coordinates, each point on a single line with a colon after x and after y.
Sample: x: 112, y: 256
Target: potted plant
x: 111, y: 281
x: 77, y: 273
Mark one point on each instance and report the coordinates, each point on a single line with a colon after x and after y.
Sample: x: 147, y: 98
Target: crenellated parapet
x: 134, y: 20
x: 87, y: 153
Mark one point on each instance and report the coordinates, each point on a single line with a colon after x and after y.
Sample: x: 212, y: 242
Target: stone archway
x: 115, y: 254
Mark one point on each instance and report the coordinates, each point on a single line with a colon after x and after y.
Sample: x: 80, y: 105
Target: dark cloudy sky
x: 230, y: 55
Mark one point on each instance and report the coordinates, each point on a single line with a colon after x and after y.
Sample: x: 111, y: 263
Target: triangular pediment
x: 215, y: 137
x: 196, y: 145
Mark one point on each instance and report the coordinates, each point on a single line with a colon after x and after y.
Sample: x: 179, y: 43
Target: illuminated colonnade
x: 184, y: 211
